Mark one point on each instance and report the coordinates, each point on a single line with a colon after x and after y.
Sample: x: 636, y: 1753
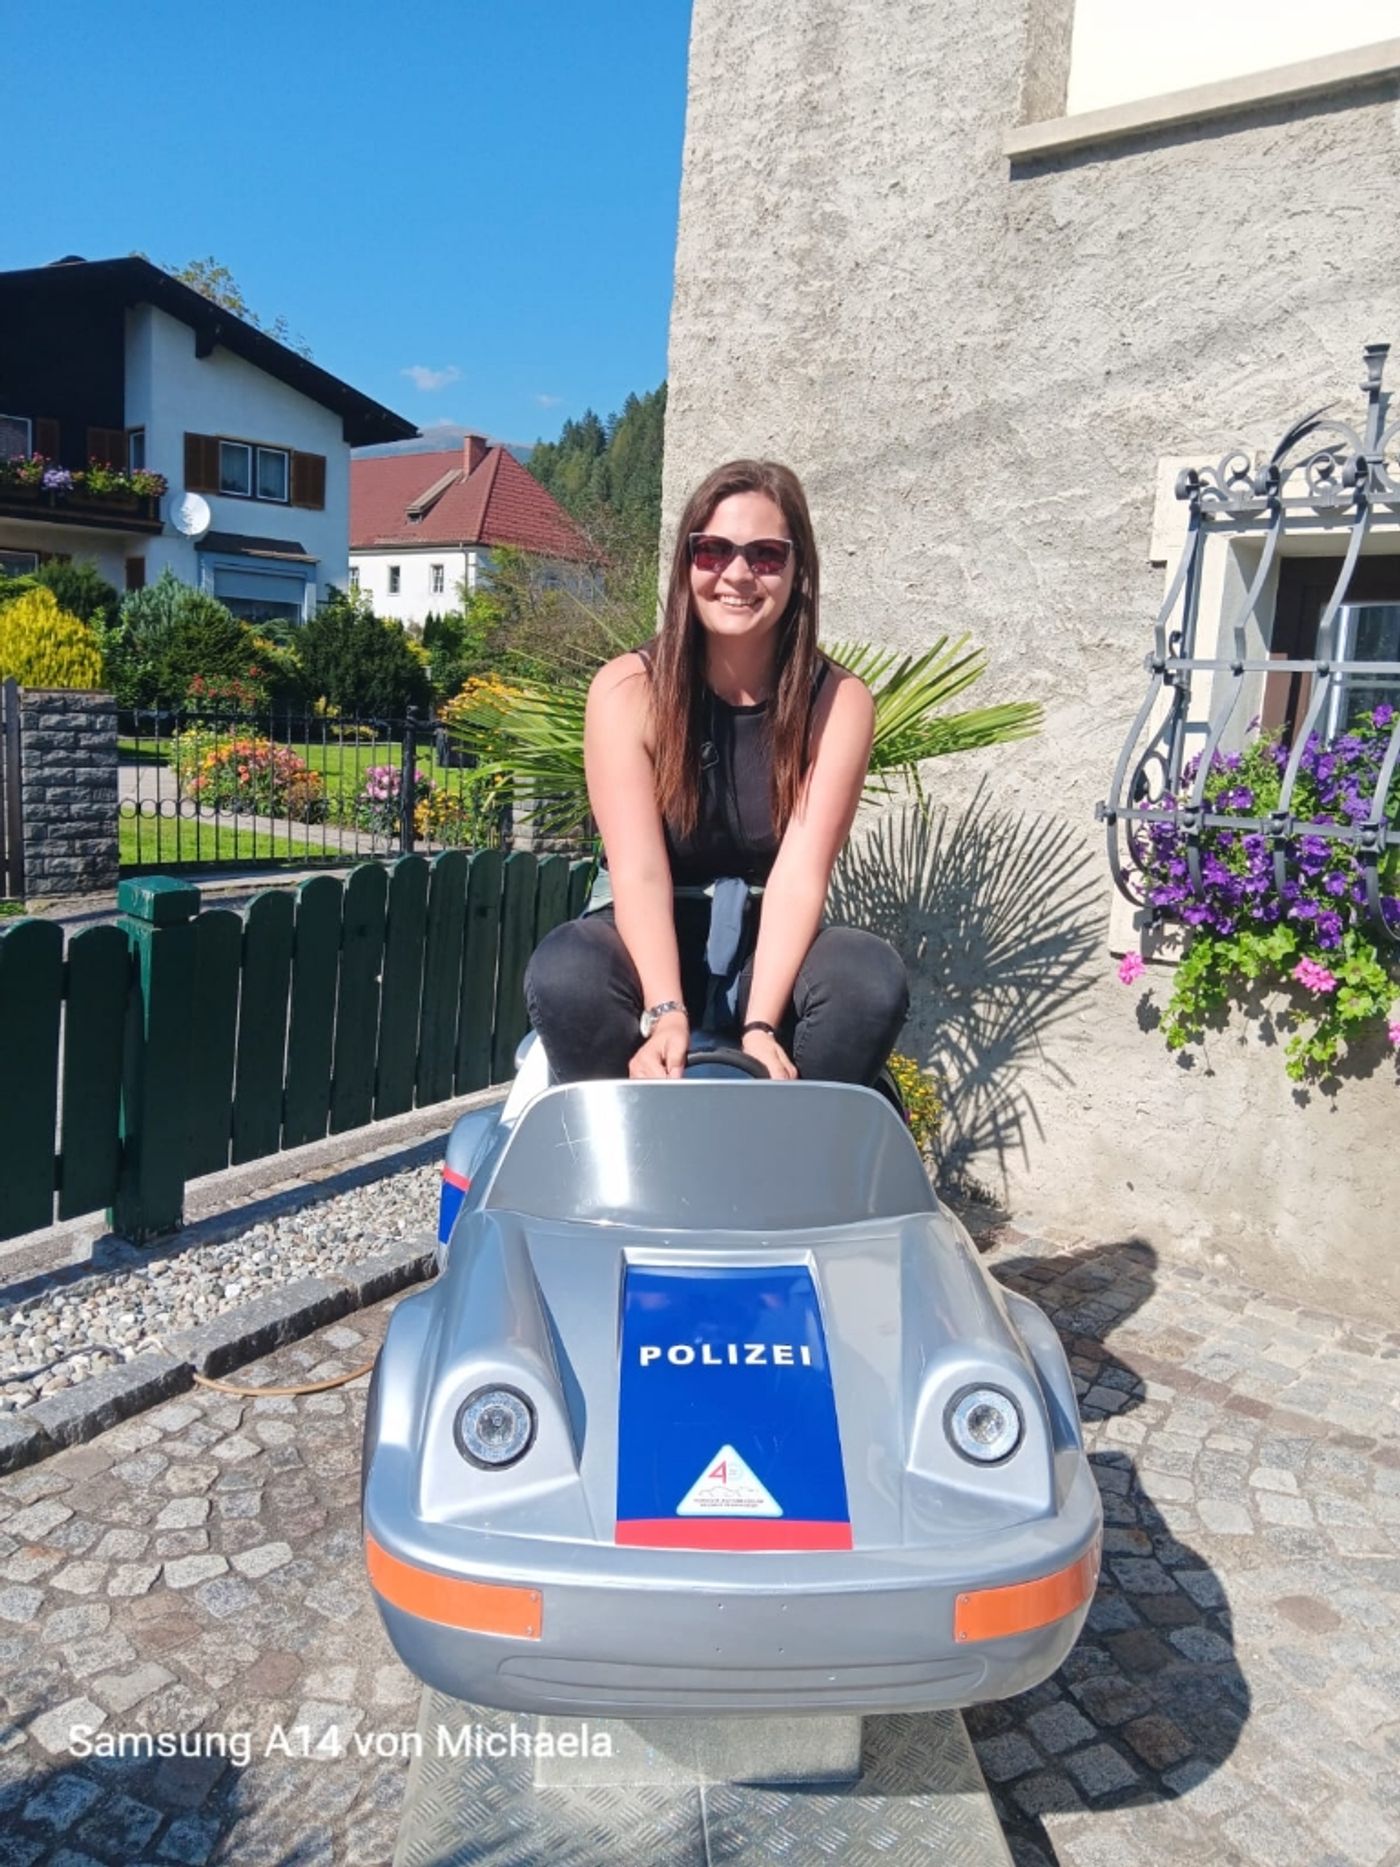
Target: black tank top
x: 734, y: 834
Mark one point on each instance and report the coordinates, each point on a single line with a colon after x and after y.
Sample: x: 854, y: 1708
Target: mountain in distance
x: 436, y: 438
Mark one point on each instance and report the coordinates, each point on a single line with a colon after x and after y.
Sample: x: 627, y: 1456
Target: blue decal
x: 716, y: 1360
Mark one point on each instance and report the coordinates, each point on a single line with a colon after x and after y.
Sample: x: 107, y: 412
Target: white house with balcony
x: 423, y: 526
x: 134, y: 391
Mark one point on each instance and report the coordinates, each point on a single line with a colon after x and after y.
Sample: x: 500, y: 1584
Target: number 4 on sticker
x: 728, y: 1488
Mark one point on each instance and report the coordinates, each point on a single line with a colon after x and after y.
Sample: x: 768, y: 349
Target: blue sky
x: 481, y: 192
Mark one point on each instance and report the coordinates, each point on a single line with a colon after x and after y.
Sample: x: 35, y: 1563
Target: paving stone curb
x: 238, y: 1336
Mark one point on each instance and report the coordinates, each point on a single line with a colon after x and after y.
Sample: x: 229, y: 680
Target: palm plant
x: 532, y: 732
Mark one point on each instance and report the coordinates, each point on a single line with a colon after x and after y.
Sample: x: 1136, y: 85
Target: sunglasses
x: 765, y: 557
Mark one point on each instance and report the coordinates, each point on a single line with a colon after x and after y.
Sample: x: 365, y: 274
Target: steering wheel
x: 731, y: 1059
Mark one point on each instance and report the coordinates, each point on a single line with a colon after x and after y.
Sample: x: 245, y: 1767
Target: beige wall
x: 976, y: 370
x: 1143, y: 48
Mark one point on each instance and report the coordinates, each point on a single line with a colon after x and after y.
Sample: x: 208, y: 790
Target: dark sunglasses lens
x: 711, y: 553
x: 767, y: 557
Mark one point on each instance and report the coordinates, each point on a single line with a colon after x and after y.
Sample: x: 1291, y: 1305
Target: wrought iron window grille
x: 1322, y: 467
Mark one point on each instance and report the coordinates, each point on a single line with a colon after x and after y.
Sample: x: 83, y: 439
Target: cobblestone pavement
x: 1235, y: 1698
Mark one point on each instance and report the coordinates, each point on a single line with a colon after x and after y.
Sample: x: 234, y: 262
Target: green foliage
x: 613, y: 466
x: 214, y: 281
x: 357, y: 663
x: 169, y: 636
x: 81, y: 589
x: 921, y: 1100
x: 532, y: 731
x: 41, y: 645
x: 1312, y: 940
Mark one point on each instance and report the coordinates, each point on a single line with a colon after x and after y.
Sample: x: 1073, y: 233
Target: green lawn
x: 153, y: 840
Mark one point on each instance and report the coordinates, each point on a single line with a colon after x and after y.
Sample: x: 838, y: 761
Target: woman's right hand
x: 664, y: 1052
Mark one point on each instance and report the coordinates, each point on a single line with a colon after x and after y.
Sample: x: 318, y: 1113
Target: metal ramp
x: 919, y: 1797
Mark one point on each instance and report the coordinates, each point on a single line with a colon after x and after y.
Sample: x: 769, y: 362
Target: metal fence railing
x: 206, y: 785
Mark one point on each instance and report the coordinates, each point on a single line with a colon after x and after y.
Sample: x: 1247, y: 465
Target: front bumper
x: 856, y: 1632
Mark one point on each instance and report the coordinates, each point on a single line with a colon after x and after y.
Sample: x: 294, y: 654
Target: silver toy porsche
x: 713, y: 1408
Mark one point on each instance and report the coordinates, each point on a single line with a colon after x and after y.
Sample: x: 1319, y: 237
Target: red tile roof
x: 498, y: 503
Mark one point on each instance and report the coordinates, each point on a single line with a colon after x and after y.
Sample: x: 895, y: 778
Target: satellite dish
x: 190, y: 514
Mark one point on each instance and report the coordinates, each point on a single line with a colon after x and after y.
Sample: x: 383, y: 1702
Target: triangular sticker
x: 727, y: 1488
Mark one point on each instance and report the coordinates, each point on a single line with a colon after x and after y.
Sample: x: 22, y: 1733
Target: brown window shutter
x: 136, y: 573
x: 201, y: 463
x: 46, y: 438
x: 309, y: 480
x: 107, y: 445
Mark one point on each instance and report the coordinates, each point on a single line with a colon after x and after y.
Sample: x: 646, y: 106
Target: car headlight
x: 984, y: 1425
x: 495, y: 1426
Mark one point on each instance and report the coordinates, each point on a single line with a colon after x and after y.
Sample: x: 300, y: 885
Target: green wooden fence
x: 178, y: 1042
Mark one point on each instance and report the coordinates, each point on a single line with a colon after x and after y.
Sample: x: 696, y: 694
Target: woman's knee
x: 572, y: 965
x: 863, y: 969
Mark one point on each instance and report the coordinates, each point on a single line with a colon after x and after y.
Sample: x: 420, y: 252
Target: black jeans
x: 849, y: 999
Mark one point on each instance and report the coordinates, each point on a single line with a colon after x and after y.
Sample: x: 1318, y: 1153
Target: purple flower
x: 57, y: 480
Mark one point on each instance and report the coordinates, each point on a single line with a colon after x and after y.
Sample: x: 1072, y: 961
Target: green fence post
x: 158, y: 921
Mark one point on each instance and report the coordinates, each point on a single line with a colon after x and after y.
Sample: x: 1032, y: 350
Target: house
x: 423, y: 525
x: 136, y: 391
x: 1020, y: 266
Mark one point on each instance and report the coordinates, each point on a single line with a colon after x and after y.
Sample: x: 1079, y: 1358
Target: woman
x: 728, y: 751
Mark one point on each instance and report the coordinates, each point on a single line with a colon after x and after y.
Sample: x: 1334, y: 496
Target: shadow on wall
x: 1000, y: 919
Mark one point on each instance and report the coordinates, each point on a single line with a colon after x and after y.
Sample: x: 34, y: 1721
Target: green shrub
x: 170, y: 635
x: 41, y: 645
x: 357, y: 663
x: 81, y: 589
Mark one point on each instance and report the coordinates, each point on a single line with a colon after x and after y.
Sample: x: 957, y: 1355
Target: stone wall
x: 68, y: 791
x: 976, y: 369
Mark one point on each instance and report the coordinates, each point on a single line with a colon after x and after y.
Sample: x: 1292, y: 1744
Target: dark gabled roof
x: 136, y: 281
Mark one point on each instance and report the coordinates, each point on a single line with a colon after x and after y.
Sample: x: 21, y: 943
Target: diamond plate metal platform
x: 919, y: 1798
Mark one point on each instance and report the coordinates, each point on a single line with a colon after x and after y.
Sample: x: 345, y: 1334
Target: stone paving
x: 1235, y: 1698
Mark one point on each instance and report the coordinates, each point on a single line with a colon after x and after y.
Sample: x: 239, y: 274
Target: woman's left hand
x: 770, y: 1053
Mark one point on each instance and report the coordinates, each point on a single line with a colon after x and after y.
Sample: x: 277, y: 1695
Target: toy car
x: 713, y: 1408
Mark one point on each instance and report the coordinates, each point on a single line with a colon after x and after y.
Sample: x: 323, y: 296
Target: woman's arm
x: 843, y: 730
x: 622, y: 796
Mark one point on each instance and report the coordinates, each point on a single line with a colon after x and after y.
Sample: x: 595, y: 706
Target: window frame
x: 437, y: 579
x: 354, y: 576
x: 1305, y: 585
x: 136, y: 450
x: 285, y: 454
x: 28, y: 571
x: 21, y: 421
x: 248, y: 449
x: 395, y: 579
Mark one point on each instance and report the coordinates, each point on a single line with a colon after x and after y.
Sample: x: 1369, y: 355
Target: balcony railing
x: 118, y: 512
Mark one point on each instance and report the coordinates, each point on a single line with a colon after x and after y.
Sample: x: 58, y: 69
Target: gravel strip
x: 66, y: 1335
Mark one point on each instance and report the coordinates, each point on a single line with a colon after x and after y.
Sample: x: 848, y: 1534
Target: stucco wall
x: 976, y: 371
x: 416, y: 597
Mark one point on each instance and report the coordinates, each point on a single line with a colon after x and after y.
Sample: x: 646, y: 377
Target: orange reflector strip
x: 479, y: 1607
x: 993, y: 1613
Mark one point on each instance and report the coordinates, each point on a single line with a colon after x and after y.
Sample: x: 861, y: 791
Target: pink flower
x: 1130, y: 969
x: 1315, y: 977
x: 1392, y: 1031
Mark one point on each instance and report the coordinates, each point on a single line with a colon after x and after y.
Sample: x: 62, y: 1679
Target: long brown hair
x: 678, y: 656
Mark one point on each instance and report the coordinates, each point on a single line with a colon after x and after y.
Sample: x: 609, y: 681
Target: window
x: 354, y: 576
x: 18, y: 563
x: 1369, y: 630
x: 393, y: 580
x: 437, y: 578
x: 136, y: 450
x: 250, y: 472
x: 273, y: 474
x: 236, y: 468
x: 15, y: 432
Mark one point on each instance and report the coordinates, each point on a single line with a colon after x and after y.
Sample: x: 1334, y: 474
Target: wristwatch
x: 650, y: 1019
